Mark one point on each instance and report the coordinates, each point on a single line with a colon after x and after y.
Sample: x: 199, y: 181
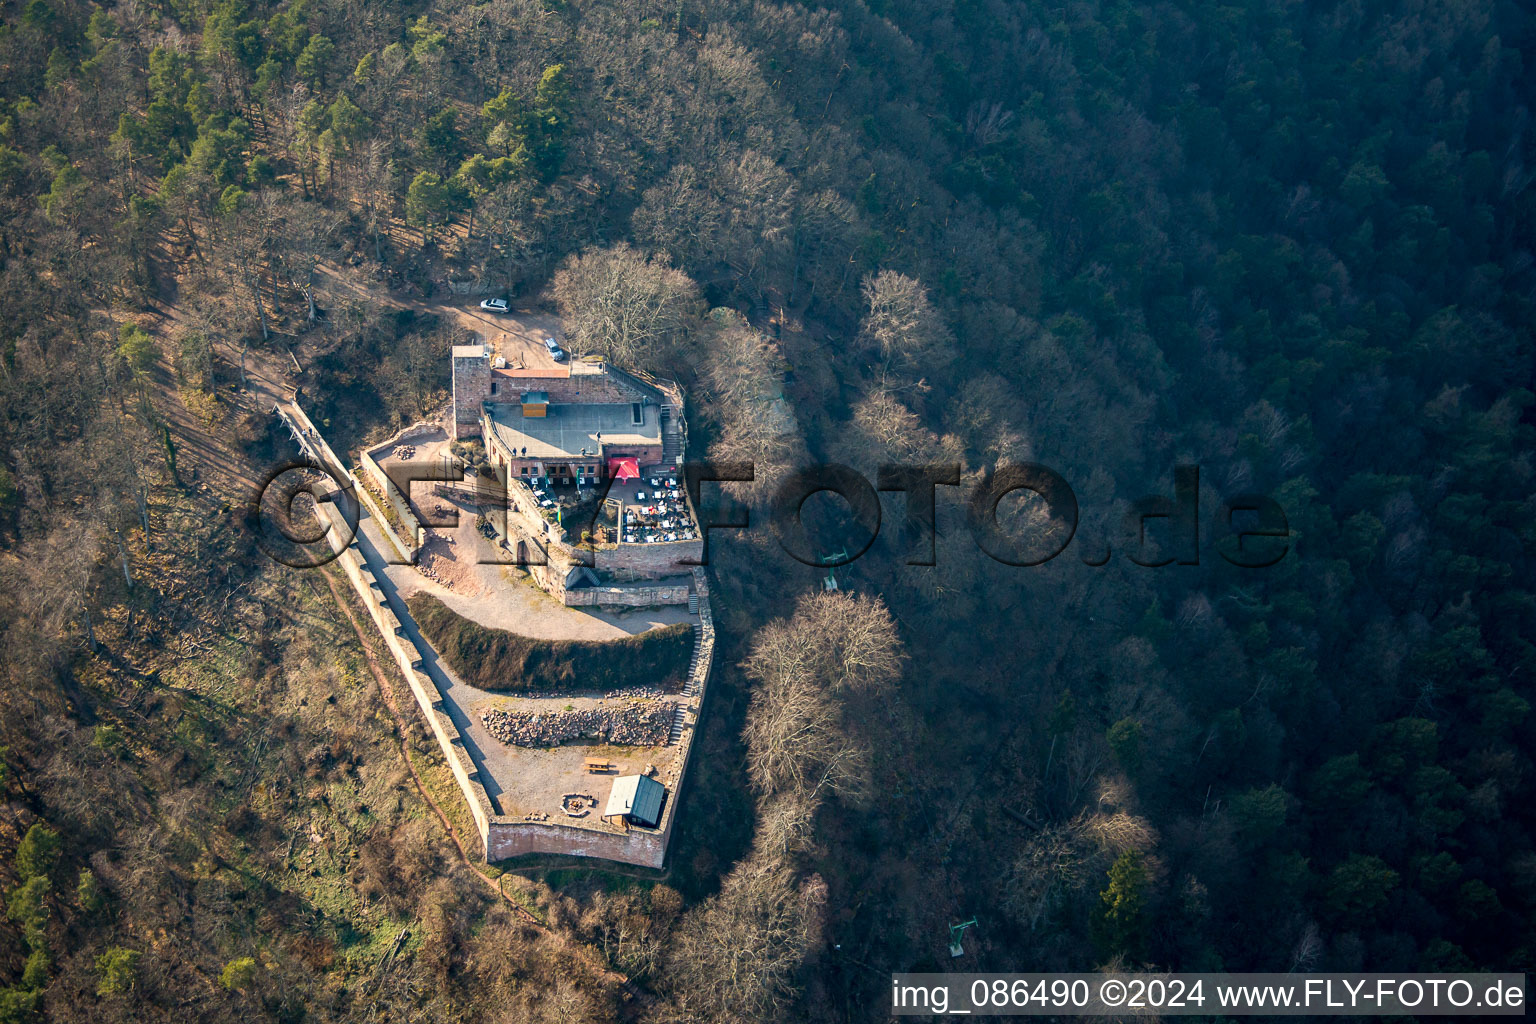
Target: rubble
x: 642, y: 724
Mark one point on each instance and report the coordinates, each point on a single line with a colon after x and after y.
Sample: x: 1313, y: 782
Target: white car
x: 555, y: 351
x: 495, y: 305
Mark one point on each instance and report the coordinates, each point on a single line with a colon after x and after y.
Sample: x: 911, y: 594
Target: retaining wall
x: 415, y: 535
x: 675, y: 556
x: 642, y: 847
x: 625, y: 597
x: 471, y: 287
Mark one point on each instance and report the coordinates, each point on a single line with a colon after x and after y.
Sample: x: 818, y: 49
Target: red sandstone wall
x: 642, y: 847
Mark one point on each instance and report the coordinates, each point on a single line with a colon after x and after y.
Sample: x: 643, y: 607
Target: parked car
x: 495, y: 305
x: 555, y: 351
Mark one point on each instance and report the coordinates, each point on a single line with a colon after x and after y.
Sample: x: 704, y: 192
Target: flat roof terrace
x: 565, y: 430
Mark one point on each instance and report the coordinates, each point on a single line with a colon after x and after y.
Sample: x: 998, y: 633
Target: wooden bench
x: 594, y: 765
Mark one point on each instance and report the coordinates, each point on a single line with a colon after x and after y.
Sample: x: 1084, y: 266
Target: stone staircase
x: 671, y: 438
x: 691, y: 683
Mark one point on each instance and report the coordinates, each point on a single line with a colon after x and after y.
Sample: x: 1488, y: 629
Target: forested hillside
x: 1290, y: 244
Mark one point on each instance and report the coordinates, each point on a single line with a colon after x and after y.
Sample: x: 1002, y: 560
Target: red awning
x: 624, y: 469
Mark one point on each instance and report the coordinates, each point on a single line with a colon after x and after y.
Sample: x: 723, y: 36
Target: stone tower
x: 471, y: 388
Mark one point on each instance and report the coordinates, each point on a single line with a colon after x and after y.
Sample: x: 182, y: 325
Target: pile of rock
x: 405, y: 452
x: 435, y: 576
x: 642, y: 724
x: 644, y: 692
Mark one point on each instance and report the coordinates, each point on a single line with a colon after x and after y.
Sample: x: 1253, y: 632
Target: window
x: 636, y: 414
x: 493, y: 387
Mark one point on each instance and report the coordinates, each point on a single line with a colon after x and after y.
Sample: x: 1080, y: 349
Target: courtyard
x: 470, y: 572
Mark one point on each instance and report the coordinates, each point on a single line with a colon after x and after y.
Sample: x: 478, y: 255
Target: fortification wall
x: 645, y: 848
x: 510, y: 837
x: 316, y: 447
x: 407, y: 658
x: 665, y: 558
x: 577, y: 389
x: 501, y: 836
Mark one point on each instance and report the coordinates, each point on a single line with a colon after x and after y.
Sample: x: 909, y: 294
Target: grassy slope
x: 494, y: 659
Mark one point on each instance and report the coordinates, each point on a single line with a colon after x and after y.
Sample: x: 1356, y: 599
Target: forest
x: 1289, y: 244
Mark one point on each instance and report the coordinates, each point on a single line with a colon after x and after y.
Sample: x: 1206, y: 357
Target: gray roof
x: 638, y: 796
x: 567, y: 429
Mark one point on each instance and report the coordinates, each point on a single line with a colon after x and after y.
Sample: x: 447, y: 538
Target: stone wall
x: 407, y: 658
x: 647, y: 454
x: 577, y: 389
x: 644, y: 723
x: 666, y: 558
x: 626, y: 597
x: 315, y: 446
x: 643, y: 847
x: 415, y: 536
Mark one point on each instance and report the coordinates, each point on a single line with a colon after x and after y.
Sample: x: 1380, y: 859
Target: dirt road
x: 517, y: 335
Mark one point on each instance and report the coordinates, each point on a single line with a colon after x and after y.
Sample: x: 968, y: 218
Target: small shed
x: 535, y: 403
x: 636, y: 798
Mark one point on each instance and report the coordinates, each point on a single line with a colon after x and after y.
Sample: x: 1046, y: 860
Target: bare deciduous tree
x: 834, y: 648
x: 632, y: 308
x: 737, y: 955
x: 743, y: 382
x: 901, y: 321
